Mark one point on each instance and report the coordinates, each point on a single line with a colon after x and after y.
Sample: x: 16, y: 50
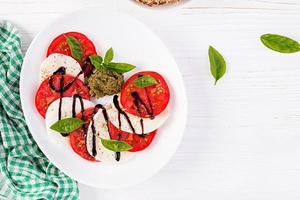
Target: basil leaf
x: 96, y: 61
x: 67, y: 125
x: 115, y: 145
x: 75, y: 47
x: 109, y: 55
x: 119, y: 67
x: 145, y: 81
x: 280, y: 43
x: 217, y: 64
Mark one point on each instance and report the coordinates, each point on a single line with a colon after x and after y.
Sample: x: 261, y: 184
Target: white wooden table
x: 242, y: 140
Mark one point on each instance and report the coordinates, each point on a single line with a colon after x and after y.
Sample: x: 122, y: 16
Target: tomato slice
x: 60, y: 45
x: 138, y: 142
x: 78, y: 137
x: 45, y: 95
x: 156, y: 97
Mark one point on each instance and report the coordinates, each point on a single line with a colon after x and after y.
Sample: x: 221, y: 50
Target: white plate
x: 133, y: 42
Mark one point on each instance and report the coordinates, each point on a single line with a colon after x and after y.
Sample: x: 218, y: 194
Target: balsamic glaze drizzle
x: 61, y: 84
x: 121, y: 112
x: 137, y: 106
x: 62, y: 88
x: 94, y: 151
x: 105, y: 115
x: 150, y: 104
x: 138, y: 101
x: 60, y: 71
x: 67, y: 86
x: 75, y: 97
x: 118, y: 156
x: 136, y: 96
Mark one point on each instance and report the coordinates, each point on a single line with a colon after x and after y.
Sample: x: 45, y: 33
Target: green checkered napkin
x: 25, y: 173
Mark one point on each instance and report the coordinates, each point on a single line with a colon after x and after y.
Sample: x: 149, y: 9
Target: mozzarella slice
x: 149, y: 124
x: 66, y: 112
x: 103, y: 154
x: 55, y: 61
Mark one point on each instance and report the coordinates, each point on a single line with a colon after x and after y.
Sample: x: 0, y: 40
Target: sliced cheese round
x: 66, y: 112
x: 148, y: 124
x: 54, y: 61
x: 103, y: 154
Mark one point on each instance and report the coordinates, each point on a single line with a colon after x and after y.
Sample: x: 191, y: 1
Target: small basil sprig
x: 99, y: 63
x: 217, y: 64
x: 75, y: 47
x: 109, y: 55
x: 145, y: 81
x: 115, y: 145
x: 67, y: 125
x: 96, y: 61
x: 119, y: 67
x: 280, y: 43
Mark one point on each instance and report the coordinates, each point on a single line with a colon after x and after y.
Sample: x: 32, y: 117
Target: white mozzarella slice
x: 66, y: 112
x: 55, y: 61
x: 103, y: 154
x: 149, y: 124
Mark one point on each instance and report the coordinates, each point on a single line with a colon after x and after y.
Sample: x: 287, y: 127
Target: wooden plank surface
x: 242, y: 140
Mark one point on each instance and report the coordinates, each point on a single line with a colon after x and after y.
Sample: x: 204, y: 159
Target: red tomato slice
x: 60, y: 45
x: 138, y: 142
x: 45, y: 95
x: 156, y: 96
x: 78, y: 138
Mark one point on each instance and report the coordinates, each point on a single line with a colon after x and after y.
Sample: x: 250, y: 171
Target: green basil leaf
x: 75, y: 47
x: 280, y: 43
x: 145, y: 81
x: 119, y: 67
x: 217, y: 64
x: 67, y: 125
x: 109, y: 55
x: 115, y: 145
x: 96, y: 61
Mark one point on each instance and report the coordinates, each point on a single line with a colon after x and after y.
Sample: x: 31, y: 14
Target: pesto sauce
x: 105, y: 82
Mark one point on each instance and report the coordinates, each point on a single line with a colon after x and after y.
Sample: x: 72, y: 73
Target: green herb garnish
x: 217, y: 64
x: 280, y: 43
x: 145, y: 81
x: 75, y: 47
x: 120, y: 67
x: 67, y: 125
x: 115, y: 145
x: 99, y: 63
x: 96, y: 61
x: 109, y: 55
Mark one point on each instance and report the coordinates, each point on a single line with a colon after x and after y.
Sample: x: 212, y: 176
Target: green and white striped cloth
x: 25, y: 173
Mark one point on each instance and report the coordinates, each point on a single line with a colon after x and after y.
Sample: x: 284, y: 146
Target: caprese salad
x: 72, y: 79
